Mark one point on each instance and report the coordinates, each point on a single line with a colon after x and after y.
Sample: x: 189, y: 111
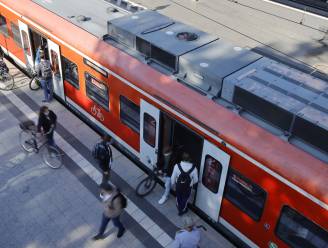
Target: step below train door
x: 212, y: 178
x: 149, y: 133
x: 57, y: 76
x: 26, y: 44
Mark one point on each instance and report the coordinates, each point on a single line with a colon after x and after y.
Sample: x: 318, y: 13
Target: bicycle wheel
x: 27, y: 141
x: 6, y: 82
x: 34, y: 83
x: 52, y: 157
x: 146, y: 186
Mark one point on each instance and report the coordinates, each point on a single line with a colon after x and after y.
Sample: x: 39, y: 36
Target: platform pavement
x: 270, y: 27
x: 41, y: 207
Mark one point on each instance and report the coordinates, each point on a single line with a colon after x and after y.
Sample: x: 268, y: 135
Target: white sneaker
x: 162, y: 200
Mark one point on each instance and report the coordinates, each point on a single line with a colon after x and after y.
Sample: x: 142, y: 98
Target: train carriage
x: 256, y: 129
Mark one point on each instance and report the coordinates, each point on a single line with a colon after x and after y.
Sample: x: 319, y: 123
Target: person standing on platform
x: 184, y: 176
x: 103, y: 154
x: 188, y: 236
x: 44, y: 72
x: 114, y: 203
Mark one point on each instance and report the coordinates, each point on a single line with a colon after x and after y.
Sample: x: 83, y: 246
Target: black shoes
x: 183, y: 212
x: 98, y: 236
x: 120, y: 233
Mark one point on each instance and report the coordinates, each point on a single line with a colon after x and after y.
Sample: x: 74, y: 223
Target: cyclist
x: 47, y: 124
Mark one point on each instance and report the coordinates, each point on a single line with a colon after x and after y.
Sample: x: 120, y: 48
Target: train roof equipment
x: 285, y: 101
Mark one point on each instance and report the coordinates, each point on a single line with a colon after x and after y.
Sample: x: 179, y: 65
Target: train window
x: 95, y: 67
x: 149, y: 130
x: 3, y: 25
x: 246, y: 195
x: 212, y: 174
x: 97, y: 91
x: 16, y: 34
x: 26, y: 43
x: 130, y: 114
x: 298, y: 231
x: 71, y: 72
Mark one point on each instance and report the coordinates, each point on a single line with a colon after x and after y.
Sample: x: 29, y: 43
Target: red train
x: 256, y: 129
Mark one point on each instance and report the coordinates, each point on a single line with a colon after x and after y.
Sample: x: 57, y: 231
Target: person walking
x: 47, y: 124
x: 113, y: 204
x: 103, y: 154
x: 184, y: 176
x: 188, y: 236
x: 44, y: 72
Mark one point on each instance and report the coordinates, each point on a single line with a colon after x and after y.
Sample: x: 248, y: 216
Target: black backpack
x: 102, y: 151
x: 124, y: 201
x: 184, y: 180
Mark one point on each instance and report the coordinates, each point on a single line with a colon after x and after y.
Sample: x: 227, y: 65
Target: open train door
x: 212, y: 178
x: 149, y: 132
x: 26, y: 43
x: 57, y: 76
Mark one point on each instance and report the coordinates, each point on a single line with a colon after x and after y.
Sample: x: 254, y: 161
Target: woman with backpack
x: 184, y: 176
x: 114, y: 203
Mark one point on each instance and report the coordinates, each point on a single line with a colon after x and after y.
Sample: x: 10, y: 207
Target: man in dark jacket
x: 103, y: 154
x: 47, y: 124
x: 113, y: 208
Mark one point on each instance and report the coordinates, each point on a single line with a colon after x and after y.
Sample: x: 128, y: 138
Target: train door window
x: 71, y: 72
x: 3, y: 25
x: 27, y: 47
x: 246, y: 195
x: 130, y: 114
x: 212, y: 174
x: 97, y: 91
x: 298, y: 231
x: 149, y: 133
x: 15, y: 34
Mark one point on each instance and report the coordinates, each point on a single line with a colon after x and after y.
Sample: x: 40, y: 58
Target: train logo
x: 96, y: 112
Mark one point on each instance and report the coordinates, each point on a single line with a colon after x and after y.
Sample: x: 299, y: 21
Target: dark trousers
x: 50, y: 139
x: 182, y: 200
x: 105, y: 220
x: 104, y: 166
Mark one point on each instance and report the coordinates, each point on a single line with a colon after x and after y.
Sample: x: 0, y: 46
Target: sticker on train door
x: 26, y: 43
x: 149, y: 132
x: 57, y: 75
x: 212, y: 177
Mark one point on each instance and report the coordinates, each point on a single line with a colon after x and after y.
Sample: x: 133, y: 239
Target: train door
x: 57, y: 78
x: 26, y: 43
x: 149, y: 133
x: 212, y: 178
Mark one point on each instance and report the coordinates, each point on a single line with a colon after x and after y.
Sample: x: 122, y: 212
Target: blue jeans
x: 105, y: 220
x: 47, y: 88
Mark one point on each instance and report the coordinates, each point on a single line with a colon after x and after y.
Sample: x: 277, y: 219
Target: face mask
x: 46, y: 113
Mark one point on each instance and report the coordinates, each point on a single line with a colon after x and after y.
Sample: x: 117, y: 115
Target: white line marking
x: 88, y: 168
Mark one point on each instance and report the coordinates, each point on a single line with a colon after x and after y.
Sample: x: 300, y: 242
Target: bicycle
x: 34, y: 83
x: 31, y: 143
x: 6, y: 81
x: 148, y: 184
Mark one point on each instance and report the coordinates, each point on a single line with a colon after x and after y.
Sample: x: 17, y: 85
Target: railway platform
x: 42, y: 207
